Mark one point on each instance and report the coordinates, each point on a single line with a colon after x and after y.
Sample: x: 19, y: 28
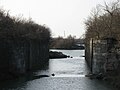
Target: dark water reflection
x: 69, y: 75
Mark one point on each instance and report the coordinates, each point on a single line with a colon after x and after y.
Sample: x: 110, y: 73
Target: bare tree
x: 104, y: 21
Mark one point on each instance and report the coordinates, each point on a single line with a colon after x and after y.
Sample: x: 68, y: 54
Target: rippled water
x: 69, y: 75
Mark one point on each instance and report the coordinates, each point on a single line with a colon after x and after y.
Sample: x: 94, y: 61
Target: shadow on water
x: 21, y: 82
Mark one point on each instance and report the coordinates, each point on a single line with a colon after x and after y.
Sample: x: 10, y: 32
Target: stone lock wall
x: 104, y: 56
x: 99, y: 55
x: 19, y: 56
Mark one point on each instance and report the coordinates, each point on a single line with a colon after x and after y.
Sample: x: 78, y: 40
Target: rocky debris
x: 99, y: 76
x: 40, y: 76
x: 53, y: 74
x: 55, y: 54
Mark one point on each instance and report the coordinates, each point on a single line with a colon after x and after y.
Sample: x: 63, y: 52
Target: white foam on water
x: 68, y: 75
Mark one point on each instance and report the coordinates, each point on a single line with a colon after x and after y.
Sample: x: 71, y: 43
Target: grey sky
x: 58, y: 15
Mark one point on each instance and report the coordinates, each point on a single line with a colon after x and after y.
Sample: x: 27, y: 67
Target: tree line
x: 65, y: 43
x: 17, y: 27
x: 62, y: 43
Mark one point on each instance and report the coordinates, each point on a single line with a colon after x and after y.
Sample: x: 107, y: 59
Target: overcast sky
x: 58, y: 15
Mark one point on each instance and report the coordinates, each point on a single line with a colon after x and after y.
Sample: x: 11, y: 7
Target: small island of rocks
x: 55, y: 54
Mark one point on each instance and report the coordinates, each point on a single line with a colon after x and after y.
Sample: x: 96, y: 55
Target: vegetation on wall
x: 16, y: 27
x: 104, y: 23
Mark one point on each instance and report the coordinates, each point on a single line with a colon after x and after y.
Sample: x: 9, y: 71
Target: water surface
x: 69, y: 75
